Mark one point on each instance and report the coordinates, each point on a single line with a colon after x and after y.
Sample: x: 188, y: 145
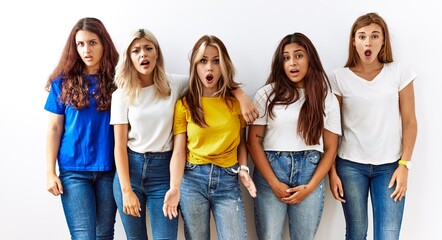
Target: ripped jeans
x: 207, y: 188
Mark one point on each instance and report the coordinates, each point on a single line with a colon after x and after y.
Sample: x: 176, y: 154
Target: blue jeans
x: 88, y: 204
x: 360, y: 179
x: 206, y: 188
x: 150, y: 180
x: 293, y: 169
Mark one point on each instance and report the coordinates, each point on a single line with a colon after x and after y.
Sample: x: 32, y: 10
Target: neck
x: 146, y: 80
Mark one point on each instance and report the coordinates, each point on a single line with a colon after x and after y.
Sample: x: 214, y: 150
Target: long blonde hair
x: 126, y: 77
x: 225, y: 83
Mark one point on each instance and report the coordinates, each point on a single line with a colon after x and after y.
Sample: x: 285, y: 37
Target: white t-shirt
x: 371, y: 120
x: 150, y: 117
x: 281, y: 131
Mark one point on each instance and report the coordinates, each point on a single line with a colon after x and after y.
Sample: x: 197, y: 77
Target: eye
x: 93, y: 42
x: 216, y: 61
x: 135, y: 50
x: 285, y: 57
x: 80, y: 44
x: 204, y: 61
x: 375, y: 36
x: 298, y: 56
x: 148, y: 48
x: 362, y: 37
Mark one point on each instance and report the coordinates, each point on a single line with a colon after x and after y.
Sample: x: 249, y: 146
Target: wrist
x: 406, y: 163
x: 245, y: 168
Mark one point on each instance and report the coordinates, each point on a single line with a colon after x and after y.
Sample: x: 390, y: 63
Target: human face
x: 296, y: 63
x: 90, y: 49
x: 209, y: 70
x: 144, y: 55
x: 368, y: 42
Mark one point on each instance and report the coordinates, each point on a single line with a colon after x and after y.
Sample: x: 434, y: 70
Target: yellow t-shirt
x: 218, y: 142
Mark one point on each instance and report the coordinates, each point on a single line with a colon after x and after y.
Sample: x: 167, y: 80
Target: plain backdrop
x: 33, y: 34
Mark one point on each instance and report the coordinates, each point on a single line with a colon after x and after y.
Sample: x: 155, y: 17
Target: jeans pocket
x: 231, y: 170
x: 189, y: 166
x: 313, y: 156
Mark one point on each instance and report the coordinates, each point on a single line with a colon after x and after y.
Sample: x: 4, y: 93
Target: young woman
x: 209, y: 148
x: 79, y: 134
x: 379, y: 131
x: 293, y: 143
x: 142, y: 115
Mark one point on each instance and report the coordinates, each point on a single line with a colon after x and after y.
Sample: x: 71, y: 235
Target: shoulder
x: 265, y: 89
x: 177, y: 78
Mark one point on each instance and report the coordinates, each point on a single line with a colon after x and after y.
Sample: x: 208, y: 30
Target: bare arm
x: 55, y: 131
x: 254, y: 144
x: 131, y: 203
x: 242, y: 160
x: 248, y: 110
x: 409, y: 133
x: 334, y: 180
x: 177, y: 164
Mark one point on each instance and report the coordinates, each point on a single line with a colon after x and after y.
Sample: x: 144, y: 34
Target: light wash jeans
x: 293, y: 169
x: 208, y: 188
x: 88, y: 204
x: 360, y: 179
x: 150, y: 180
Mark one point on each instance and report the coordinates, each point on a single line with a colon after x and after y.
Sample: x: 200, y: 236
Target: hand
x: 170, y: 205
x: 280, y: 190
x: 400, y: 176
x: 336, y: 187
x: 131, y: 204
x: 248, y: 182
x: 298, y: 194
x: 53, y: 185
x: 248, y: 110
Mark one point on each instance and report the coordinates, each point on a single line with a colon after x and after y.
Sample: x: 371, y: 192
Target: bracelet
x: 244, y: 167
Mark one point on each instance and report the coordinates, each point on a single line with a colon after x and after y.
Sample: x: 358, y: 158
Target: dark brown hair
x: 316, y: 84
x: 75, y: 88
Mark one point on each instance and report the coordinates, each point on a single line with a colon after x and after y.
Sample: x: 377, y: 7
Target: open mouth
x: 294, y: 71
x: 367, y: 53
x: 144, y: 63
x: 209, y: 77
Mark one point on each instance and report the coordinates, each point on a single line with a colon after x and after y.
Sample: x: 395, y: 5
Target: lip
x: 145, y: 63
x: 209, y: 77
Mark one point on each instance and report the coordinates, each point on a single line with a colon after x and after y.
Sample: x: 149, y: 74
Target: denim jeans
x: 206, y: 188
x: 360, y: 179
x: 293, y: 169
x: 88, y: 204
x: 150, y: 180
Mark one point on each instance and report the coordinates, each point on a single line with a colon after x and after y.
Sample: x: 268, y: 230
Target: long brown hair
x: 75, y: 88
x: 225, y: 83
x: 386, y: 53
x: 316, y: 84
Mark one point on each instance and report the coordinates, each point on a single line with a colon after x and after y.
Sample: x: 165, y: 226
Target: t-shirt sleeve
x: 407, y: 75
x: 260, y: 102
x: 333, y: 114
x: 182, y: 83
x: 334, y: 83
x: 179, y: 121
x: 53, y: 103
x: 119, y: 109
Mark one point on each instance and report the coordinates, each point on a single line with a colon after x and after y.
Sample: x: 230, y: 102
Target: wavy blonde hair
x: 126, y: 77
x: 226, y: 82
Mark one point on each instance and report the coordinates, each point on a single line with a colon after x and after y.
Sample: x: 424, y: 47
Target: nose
x: 367, y: 42
x: 292, y: 62
x: 209, y: 67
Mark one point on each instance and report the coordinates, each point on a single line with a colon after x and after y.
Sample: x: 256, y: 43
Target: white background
x: 33, y: 34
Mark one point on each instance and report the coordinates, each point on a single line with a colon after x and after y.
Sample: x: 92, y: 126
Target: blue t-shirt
x: 87, y: 143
